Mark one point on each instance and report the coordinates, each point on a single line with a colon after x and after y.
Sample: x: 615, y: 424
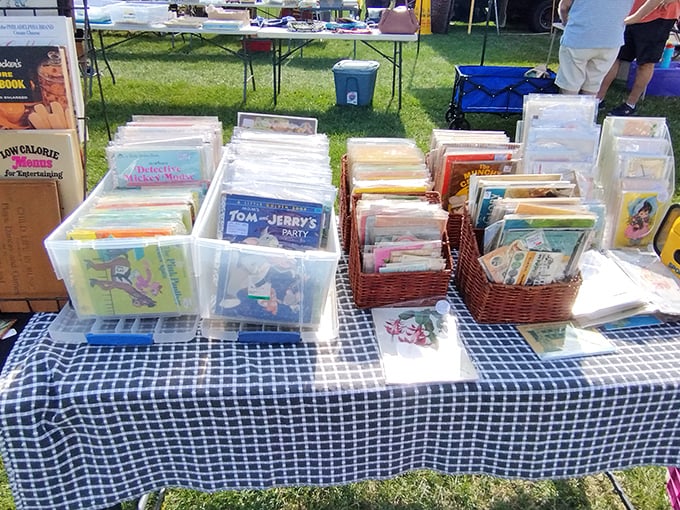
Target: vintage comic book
x: 36, y: 92
x: 420, y: 344
x: 45, y: 154
x: 155, y: 279
x: 558, y: 340
x: 267, y: 221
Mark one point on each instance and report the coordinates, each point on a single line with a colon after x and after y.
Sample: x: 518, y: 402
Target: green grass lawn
x: 159, y: 75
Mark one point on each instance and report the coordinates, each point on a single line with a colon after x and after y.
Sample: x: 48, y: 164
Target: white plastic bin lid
x: 356, y: 66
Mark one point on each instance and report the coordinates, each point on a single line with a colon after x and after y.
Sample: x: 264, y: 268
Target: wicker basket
x: 496, y: 302
x: 376, y: 289
x: 344, y: 201
x: 453, y: 226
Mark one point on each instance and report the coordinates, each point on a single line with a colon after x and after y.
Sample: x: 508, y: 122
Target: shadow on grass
x: 566, y: 496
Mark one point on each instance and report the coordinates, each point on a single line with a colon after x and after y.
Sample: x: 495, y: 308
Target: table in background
x: 298, y: 40
x: 136, y: 29
x: 85, y: 426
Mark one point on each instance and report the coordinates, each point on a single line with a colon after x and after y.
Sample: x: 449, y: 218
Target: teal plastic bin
x: 355, y: 81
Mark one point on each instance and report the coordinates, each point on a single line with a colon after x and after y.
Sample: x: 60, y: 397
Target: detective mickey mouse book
x: 263, y: 286
x: 272, y: 222
x: 146, y: 280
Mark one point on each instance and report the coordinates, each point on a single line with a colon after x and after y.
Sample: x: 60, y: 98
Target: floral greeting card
x: 420, y: 344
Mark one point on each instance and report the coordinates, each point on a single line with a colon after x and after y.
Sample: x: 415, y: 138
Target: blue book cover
x: 144, y: 166
x: 489, y: 195
x: 272, y: 222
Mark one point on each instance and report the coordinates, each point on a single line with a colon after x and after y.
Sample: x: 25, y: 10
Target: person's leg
x: 650, y: 39
x: 609, y: 79
x: 571, y: 73
x: 599, y: 64
x: 643, y: 76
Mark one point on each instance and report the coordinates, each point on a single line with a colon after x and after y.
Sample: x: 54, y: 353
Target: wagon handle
x: 486, y: 30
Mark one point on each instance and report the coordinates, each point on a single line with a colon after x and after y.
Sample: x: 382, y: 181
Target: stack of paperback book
x: 637, y: 173
x: 398, y: 229
x: 268, y: 236
x: 126, y: 250
x: 386, y: 165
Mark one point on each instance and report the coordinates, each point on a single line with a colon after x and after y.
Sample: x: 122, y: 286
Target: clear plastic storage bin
x: 123, y: 277
x: 139, y: 13
x: 257, y: 284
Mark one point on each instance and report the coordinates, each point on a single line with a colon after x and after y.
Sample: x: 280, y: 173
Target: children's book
x: 421, y: 344
x: 36, y: 91
x: 143, y: 166
x: 272, y: 222
x: 45, y: 154
x: 267, y: 286
x: 570, y: 243
x: 149, y: 280
x: 459, y: 178
x: 637, y: 219
x: 557, y: 340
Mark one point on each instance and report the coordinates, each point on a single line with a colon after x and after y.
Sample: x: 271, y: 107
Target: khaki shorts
x: 583, y: 69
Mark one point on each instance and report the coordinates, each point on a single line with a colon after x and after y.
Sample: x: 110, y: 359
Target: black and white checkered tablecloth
x: 85, y: 426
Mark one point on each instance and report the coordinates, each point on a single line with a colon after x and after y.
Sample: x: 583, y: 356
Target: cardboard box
x: 29, y: 211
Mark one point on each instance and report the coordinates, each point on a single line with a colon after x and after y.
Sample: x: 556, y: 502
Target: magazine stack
x: 125, y: 253
x: 266, y: 241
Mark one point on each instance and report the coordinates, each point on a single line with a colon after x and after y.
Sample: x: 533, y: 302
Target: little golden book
x: 147, y: 280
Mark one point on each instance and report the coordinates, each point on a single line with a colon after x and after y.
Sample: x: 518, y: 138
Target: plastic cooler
x: 355, y: 81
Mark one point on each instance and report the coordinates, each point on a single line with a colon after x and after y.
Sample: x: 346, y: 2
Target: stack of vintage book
x: 456, y: 155
x: 520, y: 247
x: 637, y: 174
x: 42, y: 177
x: 559, y: 134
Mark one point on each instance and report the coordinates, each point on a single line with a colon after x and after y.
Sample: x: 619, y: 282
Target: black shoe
x: 601, y: 105
x: 623, y: 110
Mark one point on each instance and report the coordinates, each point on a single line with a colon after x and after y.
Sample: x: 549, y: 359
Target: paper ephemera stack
x: 399, y: 227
